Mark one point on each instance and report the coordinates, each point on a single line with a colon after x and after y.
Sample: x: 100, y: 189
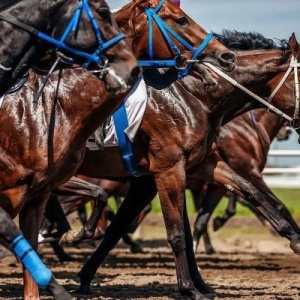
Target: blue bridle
x: 82, y: 6
x: 166, y: 32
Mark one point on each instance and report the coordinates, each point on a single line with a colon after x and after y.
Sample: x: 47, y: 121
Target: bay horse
x: 54, y: 132
x: 42, y: 143
x: 175, y: 150
x: 243, y: 144
x: 28, y: 29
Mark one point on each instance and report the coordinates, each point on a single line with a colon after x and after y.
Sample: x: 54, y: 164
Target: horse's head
x: 285, y: 86
x: 143, y: 22
x: 82, y: 30
x: 116, y: 53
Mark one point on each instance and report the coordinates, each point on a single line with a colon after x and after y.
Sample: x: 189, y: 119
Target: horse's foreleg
x: 171, y: 189
x: 30, y: 220
x: 192, y: 263
x: 142, y: 190
x: 230, y: 211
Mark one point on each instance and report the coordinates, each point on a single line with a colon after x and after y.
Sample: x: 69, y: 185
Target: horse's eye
x: 182, y: 21
x: 104, y: 13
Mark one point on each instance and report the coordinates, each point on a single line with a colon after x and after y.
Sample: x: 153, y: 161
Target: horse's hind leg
x: 82, y: 188
x: 210, y: 201
x: 142, y: 190
x: 135, y: 247
x: 257, y: 196
x: 30, y: 220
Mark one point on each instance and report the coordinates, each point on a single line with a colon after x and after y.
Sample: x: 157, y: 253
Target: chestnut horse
x: 175, y: 149
x: 243, y: 144
x: 29, y: 28
x: 42, y: 143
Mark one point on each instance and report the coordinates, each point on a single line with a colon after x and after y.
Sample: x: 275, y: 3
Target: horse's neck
x: 271, y: 123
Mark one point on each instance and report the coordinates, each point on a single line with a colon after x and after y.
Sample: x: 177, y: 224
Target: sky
x: 272, y: 18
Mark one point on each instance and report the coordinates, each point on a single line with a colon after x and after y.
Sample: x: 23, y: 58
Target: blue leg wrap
x: 30, y: 259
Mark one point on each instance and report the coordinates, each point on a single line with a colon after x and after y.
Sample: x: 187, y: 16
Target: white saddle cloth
x: 135, y: 104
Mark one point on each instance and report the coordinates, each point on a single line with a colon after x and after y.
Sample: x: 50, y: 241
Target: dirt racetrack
x: 250, y: 264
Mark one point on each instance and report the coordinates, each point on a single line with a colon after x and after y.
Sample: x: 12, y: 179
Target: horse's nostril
x: 135, y: 74
x: 227, y: 56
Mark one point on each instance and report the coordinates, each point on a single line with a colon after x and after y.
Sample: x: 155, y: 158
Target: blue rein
x: 166, y: 32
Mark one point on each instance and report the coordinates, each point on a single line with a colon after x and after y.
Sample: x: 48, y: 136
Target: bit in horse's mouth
x: 207, y: 74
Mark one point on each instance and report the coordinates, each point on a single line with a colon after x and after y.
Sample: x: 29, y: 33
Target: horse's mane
x: 250, y: 40
x: 5, y: 3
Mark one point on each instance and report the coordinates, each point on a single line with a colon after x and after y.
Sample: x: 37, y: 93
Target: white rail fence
x: 287, y: 177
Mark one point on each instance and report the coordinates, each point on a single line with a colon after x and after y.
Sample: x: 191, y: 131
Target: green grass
x: 288, y: 196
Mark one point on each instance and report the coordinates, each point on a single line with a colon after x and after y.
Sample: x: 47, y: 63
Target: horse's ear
x: 142, y: 4
x: 176, y: 2
x: 295, y: 47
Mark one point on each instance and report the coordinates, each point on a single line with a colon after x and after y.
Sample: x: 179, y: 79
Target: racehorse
x: 254, y: 131
x: 60, y: 127
x: 41, y: 143
x: 175, y: 149
x: 28, y: 29
x: 243, y: 144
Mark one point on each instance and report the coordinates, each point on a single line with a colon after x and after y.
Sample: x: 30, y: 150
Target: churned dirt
x: 250, y: 264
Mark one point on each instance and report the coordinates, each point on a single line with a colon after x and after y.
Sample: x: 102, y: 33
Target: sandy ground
x: 250, y: 264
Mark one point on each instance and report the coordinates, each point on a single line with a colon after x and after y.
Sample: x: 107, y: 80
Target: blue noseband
x: 166, y: 32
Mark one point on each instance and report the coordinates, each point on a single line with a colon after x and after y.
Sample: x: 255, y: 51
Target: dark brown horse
x: 42, y: 143
x: 244, y: 145
x: 29, y: 28
x: 177, y: 137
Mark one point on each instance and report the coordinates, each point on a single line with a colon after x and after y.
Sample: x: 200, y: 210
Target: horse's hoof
x: 136, y: 249
x: 194, y: 295
x: 68, y: 237
x: 295, y: 245
x: 206, y: 290
x: 64, y: 297
x: 210, y: 251
x: 210, y: 295
x: 84, y: 290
